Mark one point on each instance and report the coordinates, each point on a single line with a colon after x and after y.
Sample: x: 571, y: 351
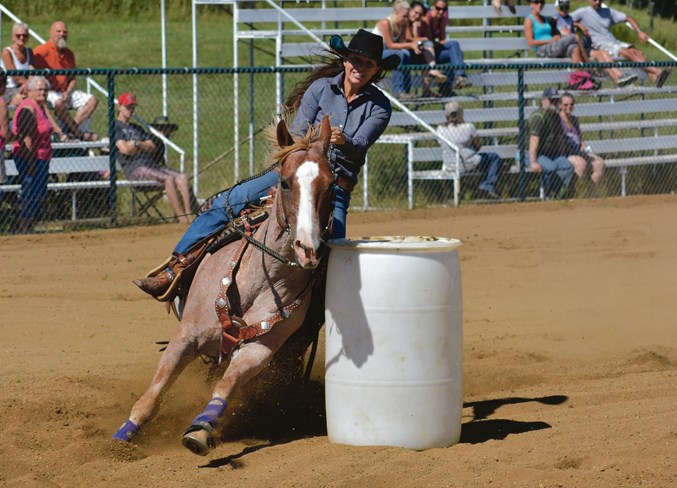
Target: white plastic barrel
x: 393, y: 359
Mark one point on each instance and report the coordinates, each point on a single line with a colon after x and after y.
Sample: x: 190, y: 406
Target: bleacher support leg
x: 410, y: 171
x: 457, y: 191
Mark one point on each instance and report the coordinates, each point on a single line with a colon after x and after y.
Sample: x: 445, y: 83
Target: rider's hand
x: 337, y: 137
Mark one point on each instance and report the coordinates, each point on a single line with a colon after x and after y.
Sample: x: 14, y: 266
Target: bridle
x: 326, y: 233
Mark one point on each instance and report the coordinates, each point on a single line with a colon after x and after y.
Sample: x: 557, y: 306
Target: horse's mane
x: 300, y: 143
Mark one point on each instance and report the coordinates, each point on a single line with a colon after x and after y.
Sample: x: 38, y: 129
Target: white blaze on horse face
x: 306, y: 225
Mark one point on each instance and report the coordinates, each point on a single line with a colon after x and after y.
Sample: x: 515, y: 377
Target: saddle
x: 249, y: 221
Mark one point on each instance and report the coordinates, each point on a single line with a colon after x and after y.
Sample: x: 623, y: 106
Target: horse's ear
x: 284, y: 138
x: 325, y: 132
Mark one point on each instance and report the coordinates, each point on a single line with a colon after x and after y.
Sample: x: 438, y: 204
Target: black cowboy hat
x: 365, y: 44
x: 162, y: 123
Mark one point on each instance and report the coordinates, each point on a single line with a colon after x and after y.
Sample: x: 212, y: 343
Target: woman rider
x: 342, y: 88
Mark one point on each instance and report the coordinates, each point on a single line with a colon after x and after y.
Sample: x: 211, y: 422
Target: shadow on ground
x: 479, y: 429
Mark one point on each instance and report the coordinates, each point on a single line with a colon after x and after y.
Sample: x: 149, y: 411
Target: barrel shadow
x: 480, y: 430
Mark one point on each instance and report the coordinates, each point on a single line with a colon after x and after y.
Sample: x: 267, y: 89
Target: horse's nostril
x: 307, y: 251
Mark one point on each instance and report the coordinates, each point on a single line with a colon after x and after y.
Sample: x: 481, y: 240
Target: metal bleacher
x: 487, y: 43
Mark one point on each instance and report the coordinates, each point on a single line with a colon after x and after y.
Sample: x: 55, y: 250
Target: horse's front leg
x: 246, y: 363
x: 183, y: 347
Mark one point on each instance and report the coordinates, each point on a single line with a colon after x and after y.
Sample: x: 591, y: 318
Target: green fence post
x: 521, y: 136
x: 112, y: 194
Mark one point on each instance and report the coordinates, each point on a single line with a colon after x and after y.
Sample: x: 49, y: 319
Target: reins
x: 257, y: 244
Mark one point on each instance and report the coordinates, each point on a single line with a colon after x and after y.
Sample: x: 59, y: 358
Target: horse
x: 263, y: 297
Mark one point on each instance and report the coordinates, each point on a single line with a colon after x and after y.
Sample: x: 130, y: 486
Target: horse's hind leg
x: 246, y: 363
x: 181, y: 350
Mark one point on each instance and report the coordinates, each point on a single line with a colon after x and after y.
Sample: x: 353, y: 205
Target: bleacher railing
x: 633, y: 128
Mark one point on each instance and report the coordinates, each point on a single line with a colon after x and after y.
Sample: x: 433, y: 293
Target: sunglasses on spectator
x: 23, y: 36
x: 439, y: 9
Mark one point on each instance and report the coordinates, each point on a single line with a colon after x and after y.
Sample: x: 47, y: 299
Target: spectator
x: 464, y: 135
x: 137, y: 153
x: 4, y: 128
x: 546, y: 150
x: 544, y: 38
x: 578, y: 151
x: 32, y: 128
x: 55, y: 54
x: 598, y: 20
x: 393, y: 29
x: 17, y: 56
x: 419, y: 32
x: 447, y: 51
x: 566, y: 25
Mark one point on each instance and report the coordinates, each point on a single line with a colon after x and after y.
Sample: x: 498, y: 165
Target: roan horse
x: 258, y: 289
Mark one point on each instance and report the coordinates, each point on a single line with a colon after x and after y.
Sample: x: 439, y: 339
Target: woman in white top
x: 393, y: 29
x: 464, y: 135
x: 17, y: 56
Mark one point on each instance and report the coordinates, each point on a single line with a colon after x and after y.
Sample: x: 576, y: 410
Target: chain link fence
x: 220, y: 114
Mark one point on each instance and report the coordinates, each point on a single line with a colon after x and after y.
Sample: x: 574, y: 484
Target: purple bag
x: 582, y: 80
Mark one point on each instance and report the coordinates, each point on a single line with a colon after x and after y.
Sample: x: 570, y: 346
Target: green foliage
x: 76, y: 10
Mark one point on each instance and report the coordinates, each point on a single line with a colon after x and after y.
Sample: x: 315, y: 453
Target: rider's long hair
x: 332, y: 65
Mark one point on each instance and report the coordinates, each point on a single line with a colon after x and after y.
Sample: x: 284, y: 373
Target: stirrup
x: 172, y: 291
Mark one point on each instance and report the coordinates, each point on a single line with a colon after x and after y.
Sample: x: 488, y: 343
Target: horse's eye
x: 284, y: 185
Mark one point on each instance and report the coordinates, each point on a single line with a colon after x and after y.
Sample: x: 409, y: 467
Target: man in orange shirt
x: 54, y: 54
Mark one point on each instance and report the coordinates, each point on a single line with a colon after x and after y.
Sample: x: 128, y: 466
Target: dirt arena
x: 570, y: 361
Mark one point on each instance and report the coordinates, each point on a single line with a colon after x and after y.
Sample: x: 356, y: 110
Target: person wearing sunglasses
x: 17, y: 56
x: 447, y: 51
x: 544, y: 38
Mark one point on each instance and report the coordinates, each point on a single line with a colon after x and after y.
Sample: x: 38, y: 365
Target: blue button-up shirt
x: 362, y: 121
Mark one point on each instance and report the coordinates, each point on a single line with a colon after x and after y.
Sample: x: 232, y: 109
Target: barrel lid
x: 408, y: 243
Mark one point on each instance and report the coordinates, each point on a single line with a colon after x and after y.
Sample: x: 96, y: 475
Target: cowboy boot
x: 159, y: 282
x: 157, y: 285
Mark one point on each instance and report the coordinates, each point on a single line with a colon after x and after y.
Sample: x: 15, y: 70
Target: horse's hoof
x: 198, y: 441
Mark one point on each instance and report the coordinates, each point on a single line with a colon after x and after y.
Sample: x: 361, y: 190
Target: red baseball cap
x: 127, y: 99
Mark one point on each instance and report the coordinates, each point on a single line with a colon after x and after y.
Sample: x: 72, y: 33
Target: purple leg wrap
x: 128, y: 430
x: 212, y: 412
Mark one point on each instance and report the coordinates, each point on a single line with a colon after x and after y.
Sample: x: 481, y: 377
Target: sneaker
x: 663, y: 77
x: 462, y: 82
x: 626, y: 80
